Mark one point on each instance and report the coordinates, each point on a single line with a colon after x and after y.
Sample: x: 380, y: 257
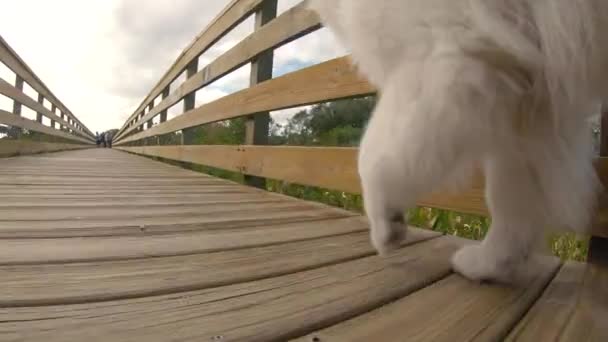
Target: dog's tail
x: 563, y: 42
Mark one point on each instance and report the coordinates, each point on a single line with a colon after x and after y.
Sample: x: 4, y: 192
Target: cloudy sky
x: 101, y: 57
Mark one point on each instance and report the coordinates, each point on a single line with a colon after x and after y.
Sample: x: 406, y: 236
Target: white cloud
x: 101, y: 57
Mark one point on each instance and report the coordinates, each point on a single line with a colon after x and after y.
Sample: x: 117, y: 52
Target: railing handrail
x: 15, y: 92
x: 232, y: 15
x: 332, y: 168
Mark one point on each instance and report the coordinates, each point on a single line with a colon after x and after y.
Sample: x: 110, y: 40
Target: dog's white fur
x: 507, y: 84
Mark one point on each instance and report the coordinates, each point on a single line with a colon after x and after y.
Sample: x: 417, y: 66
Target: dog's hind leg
x: 519, y: 216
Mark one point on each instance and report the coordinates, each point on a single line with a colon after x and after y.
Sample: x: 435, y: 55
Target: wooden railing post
x: 17, y: 105
x: 188, y: 136
x: 63, y: 118
x: 149, y: 124
x: 163, y: 113
x: 41, y: 101
x: 54, y: 110
x: 598, y: 246
x: 151, y: 121
x: 164, y: 95
x: 258, y: 124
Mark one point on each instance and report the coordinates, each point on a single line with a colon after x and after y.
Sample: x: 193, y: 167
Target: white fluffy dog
x: 506, y: 84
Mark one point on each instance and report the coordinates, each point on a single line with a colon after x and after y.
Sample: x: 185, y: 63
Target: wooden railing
x: 330, y: 167
x: 64, y: 126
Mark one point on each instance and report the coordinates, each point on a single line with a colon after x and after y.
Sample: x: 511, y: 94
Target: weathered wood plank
x: 274, y: 309
x: 573, y: 308
x: 327, y: 167
x: 156, y: 226
x: 333, y: 168
x: 9, y: 215
x: 330, y: 80
x: 149, y: 244
x: 453, y: 309
x: 113, y: 280
x: 293, y: 24
x: 10, y: 148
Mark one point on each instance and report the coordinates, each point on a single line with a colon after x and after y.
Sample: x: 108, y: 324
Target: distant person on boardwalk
x: 97, y: 139
x: 107, y: 140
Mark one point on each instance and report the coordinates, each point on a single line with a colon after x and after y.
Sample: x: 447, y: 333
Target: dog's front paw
x: 388, y: 235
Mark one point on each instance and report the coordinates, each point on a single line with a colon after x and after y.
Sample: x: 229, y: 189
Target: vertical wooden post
x: 63, y: 118
x: 139, y: 117
x: 164, y: 95
x: 163, y: 113
x: 41, y: 101
x: 151, y: 121
x: 54, y: 110
x: 258, y: 124
x: 17, y: 105
x: 188, y: 134
x: 149, y: 124
x: 598, y: 246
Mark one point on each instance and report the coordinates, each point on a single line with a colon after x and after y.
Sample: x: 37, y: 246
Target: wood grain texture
x: 326, y: 81
x: 98, y: 244
x: 113, y: 280
x: 12, y: 60
x: 453, y: 309
x: 11, y: 148
x: 273, y: 309
x: 153, y: 242
x: 573, y: 308
x: 232, y: 15
x: 293, y: 24
x: 332, y: 168
x: 11, y: 119
x: 326, y: 167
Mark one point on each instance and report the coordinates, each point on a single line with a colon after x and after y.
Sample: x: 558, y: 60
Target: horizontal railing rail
x: 64, y: 124
x: 325, y: 167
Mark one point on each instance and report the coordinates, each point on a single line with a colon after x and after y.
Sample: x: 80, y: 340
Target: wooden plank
x: 110, y: 200
x: 19, y: 83
x: 257, y: 125
x: 41, y: 103
x: 232, y: 15
x: 326, y: 81
x: 337, y: 170
x: 188, y: 135
x: 113, y: 280
x: 24, y: 217
x: 274, y: 309
x: 155, y: 226
x: 12, y: 60
x: 292, y: 24
x: 10, y: 148
x: 573, y: 308
x: 207, y: 219
x: 11, y: 119
x: 453, y: 309
x: 20, y: 251
x: 8, y: 90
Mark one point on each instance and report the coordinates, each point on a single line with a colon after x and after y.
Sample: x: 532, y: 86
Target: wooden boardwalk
x: 101, y: 245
